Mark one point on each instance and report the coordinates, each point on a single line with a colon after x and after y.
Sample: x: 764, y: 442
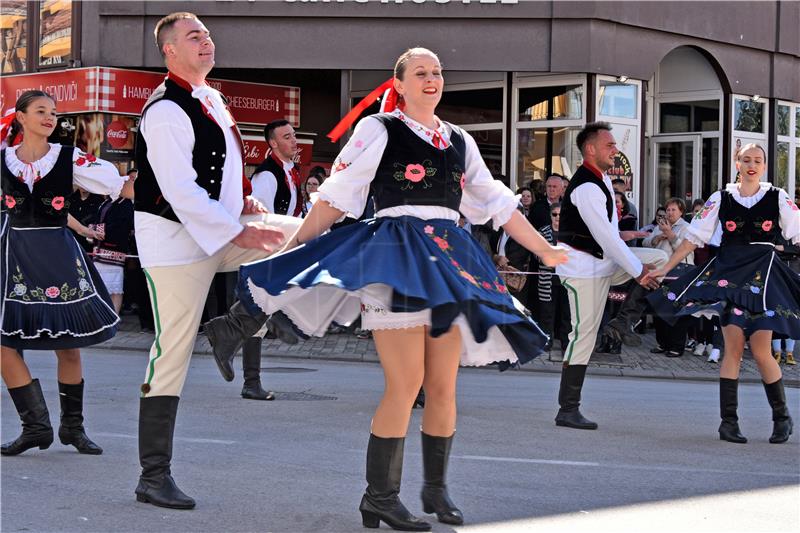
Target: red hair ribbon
x: 390, y: 102
x: 5, y: 126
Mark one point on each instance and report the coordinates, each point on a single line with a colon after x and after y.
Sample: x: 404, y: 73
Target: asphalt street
x: 297, y: 464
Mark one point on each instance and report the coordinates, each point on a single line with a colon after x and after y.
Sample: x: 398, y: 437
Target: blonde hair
x: 400, y: 66
x: 750, y: 146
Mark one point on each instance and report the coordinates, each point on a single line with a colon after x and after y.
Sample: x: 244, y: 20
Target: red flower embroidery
x: 463, y: 181
x: 58, y: 203
x: 441, y: 242
x: 467, y: 276
x: 486, y: 285
x: 792, y: 205
x: 10, y: 201
x: 91, y: 158
x: 454, y: 263
x: 340, y: 166
x: 52, y: 292
x: 500, y: 287
x: 767, y: 225
x: 730, y: 225
x: 80, y: 161
x: 414, y: 173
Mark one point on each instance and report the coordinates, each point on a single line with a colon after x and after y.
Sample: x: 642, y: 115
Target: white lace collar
x: 763, y: 187
x: 422, y: 131
x: 40, y: 167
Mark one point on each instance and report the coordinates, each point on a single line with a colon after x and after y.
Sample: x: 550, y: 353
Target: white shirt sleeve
x: 97, y: 176
x: 264, y: 188
x: 347, y: 188
x: 484, y: 197
x: 705, y: 222
x: 591, y: 203
x: 789, y: 217
x: 170, y: 140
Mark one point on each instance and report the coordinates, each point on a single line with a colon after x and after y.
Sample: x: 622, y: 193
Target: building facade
x: 683, y: 83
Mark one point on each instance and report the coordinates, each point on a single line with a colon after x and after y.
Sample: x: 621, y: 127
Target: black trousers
x: 553, y: 316
x: 671, y: 337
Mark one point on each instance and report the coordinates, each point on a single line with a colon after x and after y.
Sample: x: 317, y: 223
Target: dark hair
x: 24, y: 100
x: 400, y: 65
x: 678, y: 202
x: 132, y: 170
x: 269, y: 129
x: 698, y: 201
x: 617, y: 181
x: 164, y: 25
x: 589, y: 131
x: 626, y: 208
x: 522, y: 189
x: 555, y: 205
x: 317, y: 171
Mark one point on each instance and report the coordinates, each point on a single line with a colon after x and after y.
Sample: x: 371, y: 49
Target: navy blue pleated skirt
x: 52, y: 296
x: 412, y: 265
x: 746, y: 285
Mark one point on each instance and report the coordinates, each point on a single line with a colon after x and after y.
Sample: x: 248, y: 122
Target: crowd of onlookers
x: 104, y: 227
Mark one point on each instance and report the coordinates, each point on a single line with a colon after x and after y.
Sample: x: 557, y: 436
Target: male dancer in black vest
x: 190, y: 195
x: 599, y: 259
x: 276, y: 184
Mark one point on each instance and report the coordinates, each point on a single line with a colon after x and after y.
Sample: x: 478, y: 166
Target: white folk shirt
x: 96, y: 176
x: 679, y: 229
x: 265, y: 185
x: 705, y: 225
x: 347, y: 188
x: 591, y: 204
x: 207, y: 224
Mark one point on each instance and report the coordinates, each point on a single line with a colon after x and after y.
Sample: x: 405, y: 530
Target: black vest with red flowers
x: 208, y: 153
x: 573, y: 230
x: 48, y: 204
x: 412, y: 172
x: 760, y: 223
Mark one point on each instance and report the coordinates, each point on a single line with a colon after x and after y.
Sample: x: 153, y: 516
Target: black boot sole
x: 13, y: 452
x: 144, y: 499
x: 227, y: 373
x: 373, y: 521
x: 565, y: 424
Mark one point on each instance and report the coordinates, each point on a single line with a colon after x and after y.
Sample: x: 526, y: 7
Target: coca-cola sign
x: 117, y: 134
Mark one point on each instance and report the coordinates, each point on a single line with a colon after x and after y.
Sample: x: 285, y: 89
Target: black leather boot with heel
x: 728, y: 404
x: 569, y: 398
x: 32, y: 410
x: 71, y: 431
x: 381, y: 501
x: 781, y: 421
x: 251, y: 368
x: 435, y: 499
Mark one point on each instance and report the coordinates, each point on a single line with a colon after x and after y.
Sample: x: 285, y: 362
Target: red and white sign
x: 114, y: 90
x: 117, y: 134
x: 255, y: 150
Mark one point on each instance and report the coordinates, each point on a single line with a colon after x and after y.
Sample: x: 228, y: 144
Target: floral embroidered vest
x: 760, y: 223
x: 412, y: 172
x: 48, y: 204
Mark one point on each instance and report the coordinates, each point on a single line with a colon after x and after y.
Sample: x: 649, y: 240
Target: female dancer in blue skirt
x: 752, y: 291
x: 51, y: 296
x: 431, y: 296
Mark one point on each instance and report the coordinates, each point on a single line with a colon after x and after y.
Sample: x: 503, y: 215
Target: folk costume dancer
x: 431, y: 296
x: 599, y: 259
x: 190, y: 195
x: 51, y: 296
x: 752, y: 291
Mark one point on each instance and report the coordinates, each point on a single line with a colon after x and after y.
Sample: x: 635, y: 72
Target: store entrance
x: 676, y: 161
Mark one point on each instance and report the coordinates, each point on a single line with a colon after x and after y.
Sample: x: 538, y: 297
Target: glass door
x: 676, y: 164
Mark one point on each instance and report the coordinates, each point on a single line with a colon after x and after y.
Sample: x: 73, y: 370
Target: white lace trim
x: 748, y: 201
x: 59, y: 333
x: 30, y: 171
x: 336, y: 204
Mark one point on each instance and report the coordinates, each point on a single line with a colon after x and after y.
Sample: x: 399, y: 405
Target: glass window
x: 545, y: 151
x: 478, y: 106
x: 782, y: 122
x: 490, y: 145
x: 618, y: 99
x: 683, y: 117
x: 674, y: 172
x: 13, y: 36
x: 797, y: 121
x: 748, y: 116
x: 55, y: 32
x: 782, y: 166
x: 710, y: 166
x: 549, y: 103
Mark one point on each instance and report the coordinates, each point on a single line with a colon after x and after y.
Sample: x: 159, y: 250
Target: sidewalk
x: 633, y: 362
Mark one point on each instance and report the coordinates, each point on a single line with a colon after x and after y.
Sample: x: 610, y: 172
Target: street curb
x: 550, y: 369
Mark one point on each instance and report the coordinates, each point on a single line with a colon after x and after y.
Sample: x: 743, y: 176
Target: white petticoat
x: 113, y: 277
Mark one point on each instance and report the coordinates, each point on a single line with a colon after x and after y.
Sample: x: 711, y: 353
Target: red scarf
x: 293, y: 181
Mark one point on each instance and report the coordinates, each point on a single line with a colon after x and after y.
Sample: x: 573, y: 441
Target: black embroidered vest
x: 48, y: 204
x: 760, y: 223
x: 208, y: 154
x: 283, y: 195
x: 573, y: 230
x: 412, y: 172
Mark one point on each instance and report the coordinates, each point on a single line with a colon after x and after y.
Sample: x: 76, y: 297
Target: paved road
x: 297, y: 464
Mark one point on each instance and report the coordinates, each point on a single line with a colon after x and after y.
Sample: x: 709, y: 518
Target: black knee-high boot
x: 781, y: 421
x: 36, y: 428
x: 251, y: 368
x: 71, y: 429
x: 569, y: 398
x: 156, y: 428
x: 435, y: 499
x: 728, y: 403
x: 381, y: 500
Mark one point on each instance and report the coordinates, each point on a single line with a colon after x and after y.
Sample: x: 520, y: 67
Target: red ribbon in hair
x: 391, y: 100
x: 5, y: 127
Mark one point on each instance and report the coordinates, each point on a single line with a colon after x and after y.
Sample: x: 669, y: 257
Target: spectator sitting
x: 620, y: 185
x: 660, y: 213
x: 627, y: 220
x: 310, y: 186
